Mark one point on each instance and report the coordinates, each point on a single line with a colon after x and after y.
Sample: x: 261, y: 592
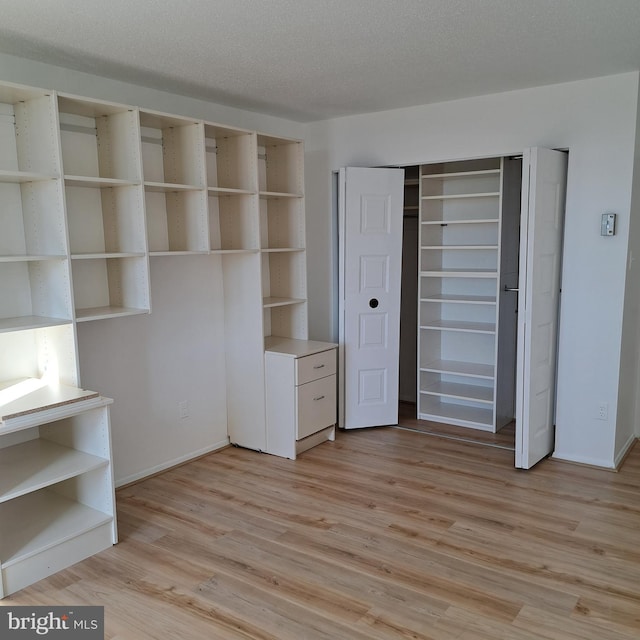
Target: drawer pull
x: 318, y: 366
x: 319, y: 398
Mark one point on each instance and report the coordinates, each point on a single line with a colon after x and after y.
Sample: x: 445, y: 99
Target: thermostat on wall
x: 608, y: 224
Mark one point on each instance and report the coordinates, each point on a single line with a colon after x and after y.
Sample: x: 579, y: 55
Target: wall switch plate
x: 608, y: 224
x: 183, y: 409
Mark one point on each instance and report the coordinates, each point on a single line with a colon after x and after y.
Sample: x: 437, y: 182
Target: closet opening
x: 466, y: 281
x: 458, y: 310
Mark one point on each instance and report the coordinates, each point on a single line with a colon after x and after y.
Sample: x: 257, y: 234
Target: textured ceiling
x: 315, y: 59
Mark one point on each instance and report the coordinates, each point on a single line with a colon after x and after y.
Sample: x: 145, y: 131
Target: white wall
x: 596, y: 120
x: 149, y: 363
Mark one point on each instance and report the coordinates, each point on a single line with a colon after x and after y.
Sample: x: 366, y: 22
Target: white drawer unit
x: 300, y: 394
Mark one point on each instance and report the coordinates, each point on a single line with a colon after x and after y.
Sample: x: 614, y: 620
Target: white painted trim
x: 594, y: 462
x: 625, y: 449
x: 170, y: 463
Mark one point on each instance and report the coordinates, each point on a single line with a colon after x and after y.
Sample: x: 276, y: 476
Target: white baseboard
x: 170, y: 463
x: 592, y: 462
x: 625, y: 450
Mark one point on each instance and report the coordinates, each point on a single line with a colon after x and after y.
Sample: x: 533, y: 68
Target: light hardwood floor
x: 383, y: 534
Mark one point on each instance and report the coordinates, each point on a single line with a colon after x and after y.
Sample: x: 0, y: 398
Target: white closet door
x: 371, y: 203
x: 544, y: 176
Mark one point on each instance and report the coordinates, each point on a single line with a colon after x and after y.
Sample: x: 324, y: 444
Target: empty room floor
x: 383, y: 534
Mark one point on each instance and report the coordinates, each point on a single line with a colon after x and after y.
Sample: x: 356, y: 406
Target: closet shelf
x: 88, y: 181
x: 282, y: 249
x: 459, y: 196
x: 101, y: 313
x: 167, y: 187
x: 444, y: 223
x: 229, y: 251
x: 432, y: 408
x: 460, y: 174
x: 24, y: 176
x: 156, y: 254
x: 460, y: 325
x: 459, y: 273
x: 471, y: 369
x: 470, y: 392
x: 26, y: 258
x: 224, y: 191
x: 270, y: 195
x: 460, y: 247
x: 102, y: 256
x: 459, y: 299
x: 271, y: 302
x: 37, y: 464
x: 39, y: 521
x: 22, y: 323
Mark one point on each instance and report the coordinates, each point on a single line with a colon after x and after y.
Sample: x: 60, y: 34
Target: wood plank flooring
x: 384, y: 534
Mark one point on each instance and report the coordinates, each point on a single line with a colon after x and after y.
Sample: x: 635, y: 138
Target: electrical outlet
x: 183, y: 409
x: 603, y: 411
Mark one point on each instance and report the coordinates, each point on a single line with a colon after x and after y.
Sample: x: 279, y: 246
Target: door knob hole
x: 373, y: 303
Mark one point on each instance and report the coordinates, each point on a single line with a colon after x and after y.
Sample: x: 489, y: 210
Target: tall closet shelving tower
x: 459, y: 278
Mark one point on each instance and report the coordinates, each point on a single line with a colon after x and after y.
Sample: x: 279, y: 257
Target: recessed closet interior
x: 458, y: 329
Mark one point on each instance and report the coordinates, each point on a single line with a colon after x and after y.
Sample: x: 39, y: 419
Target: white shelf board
x: 458, y: 299
x: 296, y: 348
x: 271, y: 195
x: 178, y: 253
x: 470, y: 392
x: 101, y: 256
x: 37, y: 464
x: 39, y: 521
x: 469, y: 327
x: 100, y: 313
x: 24, y: 176
x: 280, y: 302
x: 461, y: 415
x: 40, y: 258
x: 471, y: 369
x: 26, y: 396
x: 228, y: 251
x: 282, y: 249
x: 90, y: 181
x: 460, y: 247
x: 459, y: 273
x: 165, y: 187
x: 460, y: 174
x: 460, y: 196
x: 21, y: 323
x: 444, y: 223
x: 226, y: 191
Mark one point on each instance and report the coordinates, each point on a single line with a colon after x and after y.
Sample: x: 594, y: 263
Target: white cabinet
x: 57, y: 503
x: 301, y: 395
x: 460, y: 242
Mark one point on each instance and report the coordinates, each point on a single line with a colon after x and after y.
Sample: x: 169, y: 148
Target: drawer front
x: 316, y: 406
x: 318, y: 365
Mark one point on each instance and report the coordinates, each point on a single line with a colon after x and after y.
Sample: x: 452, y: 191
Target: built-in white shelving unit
x: 459, y: 268
x: 90, y: 190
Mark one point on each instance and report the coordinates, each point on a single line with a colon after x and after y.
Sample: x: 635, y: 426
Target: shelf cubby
x: 282, y: 224
x: 34, y: 292
x: 38, y: 349
x: 29, y: 147
x: 110, y: 287
x: 177, y: 221
x: 280, y: 166
x: 230, y: 159
x: 172, y: 152
x: 105, y: 220
x: 100, y: 142
x: 285, y: 317
x: 233, y: 222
